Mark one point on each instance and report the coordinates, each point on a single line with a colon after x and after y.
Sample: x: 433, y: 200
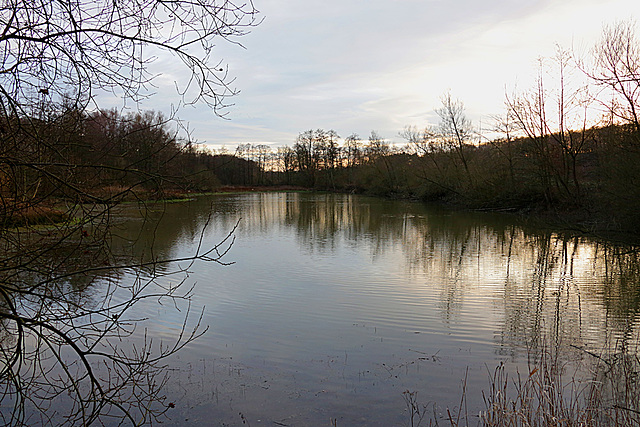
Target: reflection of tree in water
x: 153, y: 230
x: 565, y: 295
x: 68, y: 338
x: 537, y: 295
x: 550, y: 288
x: 62, y: 268
x: 615, y: 366
x: 621, y: 279
x: 557, y: 294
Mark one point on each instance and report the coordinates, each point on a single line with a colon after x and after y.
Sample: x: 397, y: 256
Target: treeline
x: 105, y: 156
x: 570, y: 146
x: 593, y: 179
x: 597, y: 183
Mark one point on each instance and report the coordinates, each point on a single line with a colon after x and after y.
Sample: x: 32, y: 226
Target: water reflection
x: 379, y: 284
x: 540, y: 280
x: 69, y: 316
x: 539, y: 275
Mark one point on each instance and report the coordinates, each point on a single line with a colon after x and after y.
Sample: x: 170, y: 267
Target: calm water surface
x: 337, y: 304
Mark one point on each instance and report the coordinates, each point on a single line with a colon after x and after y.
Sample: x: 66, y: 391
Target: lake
x: 334, y: 305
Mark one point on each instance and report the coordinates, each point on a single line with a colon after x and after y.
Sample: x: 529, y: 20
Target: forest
x: 567, y: 149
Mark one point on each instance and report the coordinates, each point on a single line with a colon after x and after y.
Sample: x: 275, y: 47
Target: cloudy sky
x: 361, y: 65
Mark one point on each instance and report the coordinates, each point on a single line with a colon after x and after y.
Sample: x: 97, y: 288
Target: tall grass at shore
x: 598, y: 390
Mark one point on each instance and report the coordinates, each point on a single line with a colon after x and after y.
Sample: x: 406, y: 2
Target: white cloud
x: 359, y: 65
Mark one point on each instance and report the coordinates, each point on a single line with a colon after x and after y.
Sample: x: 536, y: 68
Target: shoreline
x: 564, y: 222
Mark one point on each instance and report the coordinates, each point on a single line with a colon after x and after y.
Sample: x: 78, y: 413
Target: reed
x: 22, y: 214
x: 559, y: 393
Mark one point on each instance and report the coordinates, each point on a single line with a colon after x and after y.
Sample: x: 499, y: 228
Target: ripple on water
x: 337, y: 303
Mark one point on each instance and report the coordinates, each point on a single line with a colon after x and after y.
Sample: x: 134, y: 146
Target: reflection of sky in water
x: 336, y: 304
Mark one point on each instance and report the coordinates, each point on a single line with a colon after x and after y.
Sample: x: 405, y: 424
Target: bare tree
x: 423, y: 142
x: 507, y: 130
x: 379, y: 155
x: 286, y: 162
x: 53, y: 48
x: 617, y: 68
x: 572, y: 133
x: 57, y: 57
x: 376, y: 148
x: 333, y: 149
x: 558, y: 129
x: 529, y: 110
x: 455, y: 130
x: 352, y: 150
x: 427, y: 145
x: 305, y: 149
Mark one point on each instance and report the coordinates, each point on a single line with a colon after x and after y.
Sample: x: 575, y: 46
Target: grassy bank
x: 23, y: 214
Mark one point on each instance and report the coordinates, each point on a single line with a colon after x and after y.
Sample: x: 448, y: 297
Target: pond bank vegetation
x: 550, y: 393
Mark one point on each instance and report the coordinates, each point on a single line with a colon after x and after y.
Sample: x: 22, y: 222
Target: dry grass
x: 593, y: 391
x: 554, y: 393
x: 18, y: 215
